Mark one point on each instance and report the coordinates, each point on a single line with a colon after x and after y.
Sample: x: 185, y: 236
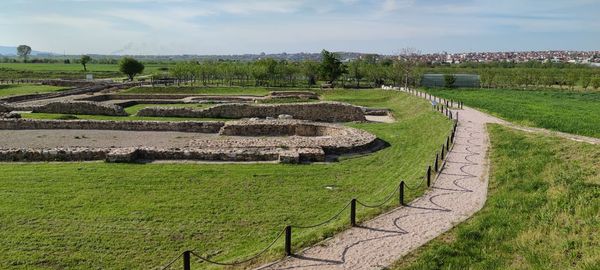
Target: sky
x: 275, y: 26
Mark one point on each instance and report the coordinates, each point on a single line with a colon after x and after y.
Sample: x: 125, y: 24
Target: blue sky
x: 272, y: 26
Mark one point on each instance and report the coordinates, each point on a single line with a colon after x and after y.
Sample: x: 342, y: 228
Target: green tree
x: 310, y: 70
x: 449, y: 80
x: 586, y: 79
x: 85, y: 59
x: 331, y: 67
x: 596, y: 82
x: 130, y: 67
x: 23, y: 51
x: 356, y: 71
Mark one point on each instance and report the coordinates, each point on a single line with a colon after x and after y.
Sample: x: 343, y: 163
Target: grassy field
x: 256, y: 91
x: 139, y: 216
x: 112, y: 118
x: 542, y: 211
x: 26, y: 89
x: 67, y: 71
x: 136, y: 108
x: 571, y: 112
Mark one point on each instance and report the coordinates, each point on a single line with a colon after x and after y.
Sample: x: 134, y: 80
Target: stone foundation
x: 287, y: 141
x: 184, y: 126
x: 321, y: 111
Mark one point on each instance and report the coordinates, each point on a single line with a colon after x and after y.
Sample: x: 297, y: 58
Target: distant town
x: 8, y: 54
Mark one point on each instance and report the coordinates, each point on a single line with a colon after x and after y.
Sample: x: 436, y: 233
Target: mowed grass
x: 67, y: 71
x: 132, y: 110
x: 254, y: 91
x: 571, y: 112
x: 149, y: 68
x: 542, y: 210
x: 26, y: 89
x: 140, y: 216
x: 58, y: 116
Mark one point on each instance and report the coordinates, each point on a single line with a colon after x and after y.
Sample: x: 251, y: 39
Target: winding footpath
x: 459, y: 191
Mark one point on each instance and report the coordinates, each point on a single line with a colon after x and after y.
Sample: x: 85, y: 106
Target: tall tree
x: 310, y: 70
x: 331, y: 67
x: 356, y: 71
x: 130, y: 67
x: 85, y: 59
x: 409, y: 58
x: 23, y: 51
x: 449, y: 80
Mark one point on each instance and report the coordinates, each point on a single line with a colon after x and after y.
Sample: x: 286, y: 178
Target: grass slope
x: 132, y: 216
x: 258, y: 91
x: 542, y: 211
x: 571, y: 112
x: 26, y: 89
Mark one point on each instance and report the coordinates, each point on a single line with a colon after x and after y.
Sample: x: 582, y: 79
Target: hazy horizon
x: 235, y: 27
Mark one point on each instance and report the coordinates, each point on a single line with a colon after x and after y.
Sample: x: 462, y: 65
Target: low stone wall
x: 280, y: 128
x: 79, y: 107
x: 184, y: 126
x: 331, y: 138
x: 321, y: 111
x: 293, y: 94
x: 4, y: 107
x: 117, y: 155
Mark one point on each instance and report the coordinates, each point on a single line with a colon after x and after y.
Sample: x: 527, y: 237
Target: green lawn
x: 136, y: 108
x: 542, y: 211
x: 571, y: 112
x: 134, y: 216
x: 67, y: 71
x: 256, y: 91
x: 58, y: 116
x: 26, y: 89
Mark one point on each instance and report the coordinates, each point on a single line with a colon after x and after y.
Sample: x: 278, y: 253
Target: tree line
x: 365, y: 72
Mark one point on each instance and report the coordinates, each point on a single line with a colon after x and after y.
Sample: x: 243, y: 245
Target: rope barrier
x: 324, y: 222
x: 244, y: 260
x: 449, y: 145
x: 415, y: 187
x: 168, y: 266
x: 380, y: 204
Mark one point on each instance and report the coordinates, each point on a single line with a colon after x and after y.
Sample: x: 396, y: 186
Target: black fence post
x: 402, y: 193
x: 288, y: 240
x: 448, y: 144
x: 443, y: 149
x: 353, y: 212
x: 428, y: 176
x: 186, y: 260
x: 436, y: 164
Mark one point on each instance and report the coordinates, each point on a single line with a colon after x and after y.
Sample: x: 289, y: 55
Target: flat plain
x: 565, y: 111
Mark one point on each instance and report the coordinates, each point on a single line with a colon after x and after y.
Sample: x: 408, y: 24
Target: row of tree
x: 369, y: 71
x: 268, y: 72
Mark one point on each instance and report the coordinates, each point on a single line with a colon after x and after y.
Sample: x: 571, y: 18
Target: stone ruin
x: 287, y: 132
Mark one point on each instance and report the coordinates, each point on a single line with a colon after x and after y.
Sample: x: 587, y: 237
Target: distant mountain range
x: 12, y: 51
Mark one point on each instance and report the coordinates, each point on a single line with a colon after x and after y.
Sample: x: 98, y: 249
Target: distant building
x: 462, y: 80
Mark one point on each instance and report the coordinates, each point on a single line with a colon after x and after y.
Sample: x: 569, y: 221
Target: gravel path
x: 459, y: 192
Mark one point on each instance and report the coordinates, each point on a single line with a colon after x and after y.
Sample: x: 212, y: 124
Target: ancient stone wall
x: 321, y: 111
x: 78, y: 107
x: 184, y: 126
